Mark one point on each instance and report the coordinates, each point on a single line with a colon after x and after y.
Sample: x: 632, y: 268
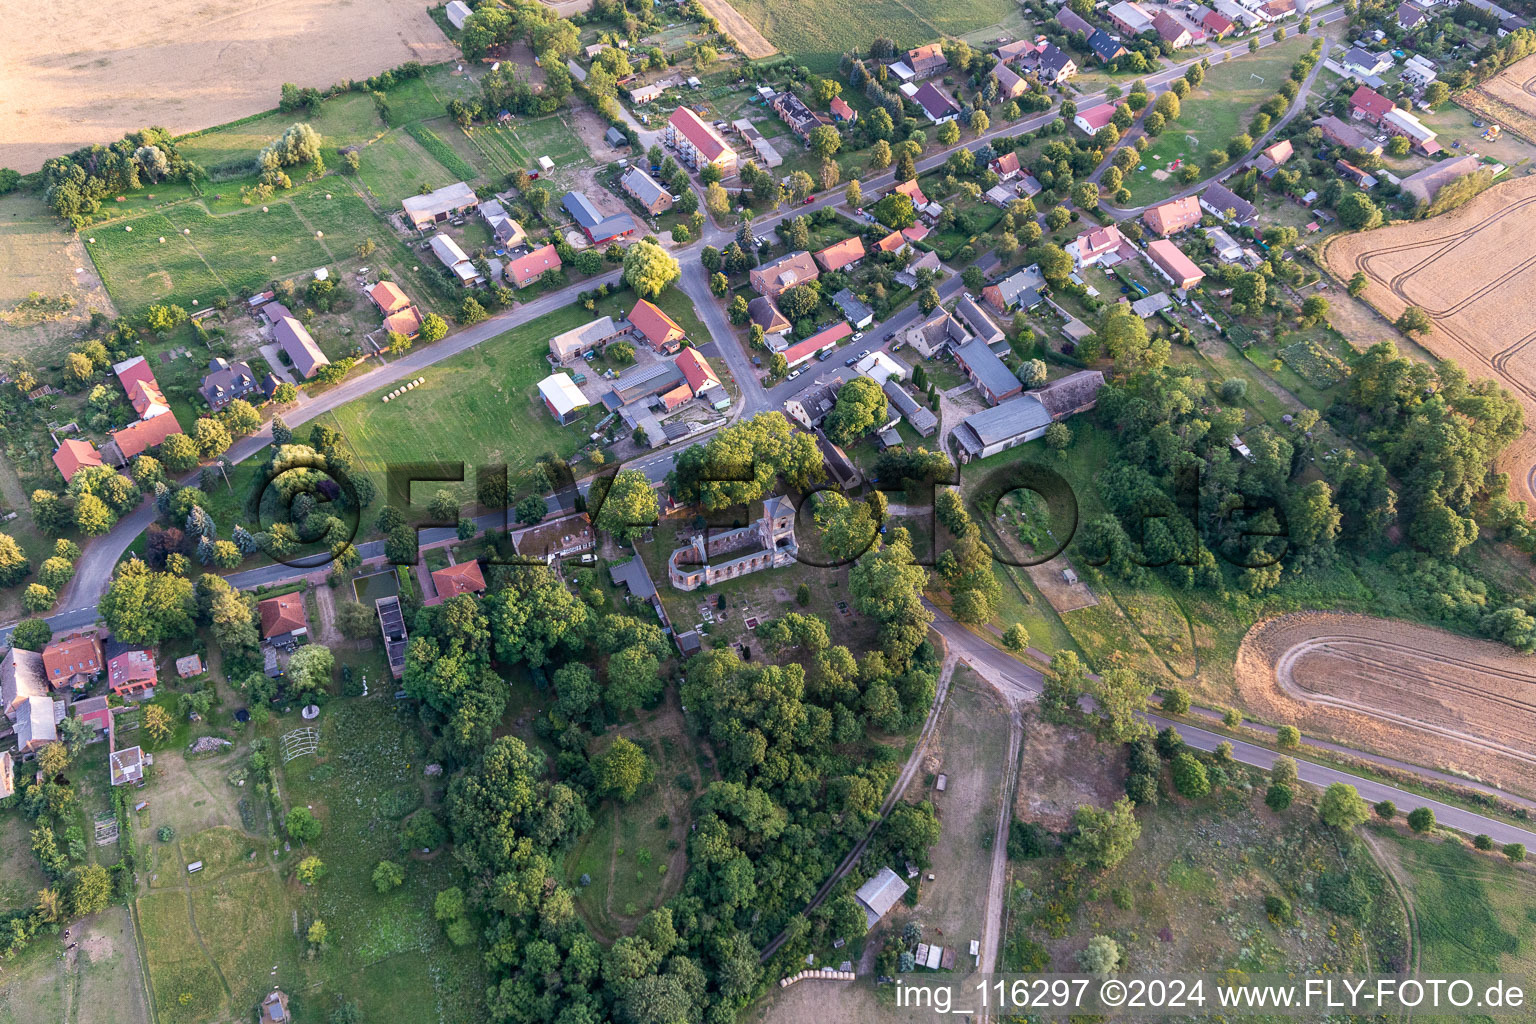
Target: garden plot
x: 1410, y: 691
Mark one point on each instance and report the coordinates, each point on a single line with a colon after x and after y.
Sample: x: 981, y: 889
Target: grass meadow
x: 1213, y: 113
x: 818, y: 33
x: 215, y: 941
x: 482, y: 407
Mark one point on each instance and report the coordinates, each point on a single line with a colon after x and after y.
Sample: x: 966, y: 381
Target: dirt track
x: 1473, y: 270
x: 77, y: 73
x: 1409, y: 691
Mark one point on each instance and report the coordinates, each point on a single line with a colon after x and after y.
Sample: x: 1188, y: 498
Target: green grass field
x: 1474, y: 910
x: 818, y: 33
x: 1213, y: 113
x: 481, y: 407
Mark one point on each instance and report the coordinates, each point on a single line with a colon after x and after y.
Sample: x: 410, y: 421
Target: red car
x: 807, y: 200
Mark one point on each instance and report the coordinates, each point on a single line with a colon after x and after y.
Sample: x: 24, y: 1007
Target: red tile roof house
x: 784, y: 273
x: 388, y: 297
x: 803, y: 351
x: 701, y: 377
x: 1179, y: 270
x: 73, y: 456
x: 1093, y: 245
x: 1369, y: 105
x: 1007, y: 166
x: 1172, y: 31
x: 1091, y: 120
x: 677, y: 396
x: 462, y: 578
x: 132, y: 673
x: 142, y: 435
x: 134, y: 371
x: 72, y: 661
x: 892, y: 242
x: 841, y: 254
x: 660, y: 331
x: 283, y: 618
x: 525, y: 270
x: 1172, y: 217
x: 1217, y: 26
x: 913, y: 191
x: 698, y: 143
x: 842, y: 111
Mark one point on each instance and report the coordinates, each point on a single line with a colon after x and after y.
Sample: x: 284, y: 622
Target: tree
x: 861, y: 406
x: 433, y: 328
x: 310, y: 870
x: 145, y: 607
x: 157, y: 722
x: 1167, y: 104
x: 1085, y: 195
x: 1064, y: 683
x: 854, y: 194
x: 1421, y: 819
x: 824, y: 140
x: 1515, y: 851
x: 301, y: 825
x: 310, y: 668
x: 629, y: 508
x: 387, y: 875
x: 1189, y: 776
x: 716, y: 200
x: 1436, y: 93
x: 1357, y: 212
x: 92, y: 890
x: 1058, y: 218
x: 1287, y: 737
x: 1397, y: 146
x: 622, y: 768
x: 1279, y: 796
x: 1104, y: 837
x: 31, y: 634
x: 1122, y: 695
x: 1016, y: 638
x: 92, y: 516
x: 1414, y: 321
x: 649, y: 269
x: 1341, y: 807
x: 1058, y: 436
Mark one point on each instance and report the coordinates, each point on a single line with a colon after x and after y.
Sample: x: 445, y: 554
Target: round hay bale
x: 128, y: 228
x: 162, y: 239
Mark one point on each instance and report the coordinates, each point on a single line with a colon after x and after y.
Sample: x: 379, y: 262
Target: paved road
x: 1016, y: 680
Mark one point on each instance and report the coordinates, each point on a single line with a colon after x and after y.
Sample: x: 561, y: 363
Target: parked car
x: 808, y: 200
x: 850, y: 360
x: 858, y: 336
x: 792, y: 374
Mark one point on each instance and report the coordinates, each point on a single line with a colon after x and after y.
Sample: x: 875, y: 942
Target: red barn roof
x: 142, y: 435
x: 1371, y: 103
x: 74, y: 456
x: 283, y: 614
x: 839, y: 254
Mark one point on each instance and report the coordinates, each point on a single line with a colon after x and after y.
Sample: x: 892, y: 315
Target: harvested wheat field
x: 747, y: 37
x: 1407, y: 691
x: 1508, y: 97
x: 1473, y: 270
x: 78, y: 72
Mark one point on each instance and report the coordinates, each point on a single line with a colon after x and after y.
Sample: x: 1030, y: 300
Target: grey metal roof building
x: 977, y: 321
x: 986, y: 371
x: 918, y: 416
x: 858, y: 314
x: 581, y: 208
x: 1218, y: 199
x: 1001, y: 427
x: 878, y: 895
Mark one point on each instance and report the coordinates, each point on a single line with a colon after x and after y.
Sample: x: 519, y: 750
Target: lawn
x: 817, y: 34
x: 482, y: 407
x: 397, y: 166
x: 1214, y: 113
x: 346, y: 120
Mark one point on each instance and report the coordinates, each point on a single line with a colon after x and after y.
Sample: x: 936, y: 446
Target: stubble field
x: 1405, y: 690
x: 1473, y: 270
x: 75, y: 77
x: 1509, y: 97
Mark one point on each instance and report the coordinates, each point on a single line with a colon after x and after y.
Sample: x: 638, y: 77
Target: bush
x: 1169, y: 742
x: 1027, y: 840
x: 1344, y: 893
x: 1515, y: 851
x: 1288, y: 737
x: 1278, y: 908
x: 1386, y: 810
x: 1175, y: 701
x: 1279, y: 796
x: 1483, y: 841
x: 1421, y: 819
x: 1189, y: 776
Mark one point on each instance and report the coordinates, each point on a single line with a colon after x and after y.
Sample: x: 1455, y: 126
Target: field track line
x: 1405, y: 898
x: 1285, y: 665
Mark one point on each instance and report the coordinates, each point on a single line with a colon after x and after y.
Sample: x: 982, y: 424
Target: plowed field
x: 1407, y: 691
